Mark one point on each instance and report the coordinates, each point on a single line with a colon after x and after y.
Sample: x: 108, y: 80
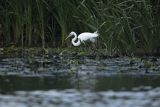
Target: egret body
x: 81, y: 38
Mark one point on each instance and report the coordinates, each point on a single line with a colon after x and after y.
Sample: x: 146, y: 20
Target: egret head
x: 71, y: 34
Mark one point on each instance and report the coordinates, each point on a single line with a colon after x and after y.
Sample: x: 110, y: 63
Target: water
x: 70, y: 82
x: 117, y: 83
x: 116, y: 91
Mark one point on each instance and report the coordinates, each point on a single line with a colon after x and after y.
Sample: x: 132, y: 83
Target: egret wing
x: 92, y: 40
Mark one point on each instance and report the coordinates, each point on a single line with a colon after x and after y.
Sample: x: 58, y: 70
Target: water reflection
x: 15, y: 83
x: 125, y: 82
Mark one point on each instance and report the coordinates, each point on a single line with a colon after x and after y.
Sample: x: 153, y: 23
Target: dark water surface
x: 117, y: 83
x: 59, y: 81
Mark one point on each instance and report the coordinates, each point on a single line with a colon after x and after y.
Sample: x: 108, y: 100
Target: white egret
x: 86, y: 36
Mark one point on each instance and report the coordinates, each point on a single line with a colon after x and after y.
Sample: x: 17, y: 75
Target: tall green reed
x: 5, y: 21
x: 124, y: 25
x: 40, y: 10
x: 63, y: 11
x: 148, y: 32
x: 28, y: 21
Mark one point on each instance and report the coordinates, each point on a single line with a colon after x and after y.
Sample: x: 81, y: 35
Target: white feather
x: 86, y: 36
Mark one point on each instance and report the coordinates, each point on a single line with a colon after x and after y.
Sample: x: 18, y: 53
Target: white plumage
x: 86, y: 36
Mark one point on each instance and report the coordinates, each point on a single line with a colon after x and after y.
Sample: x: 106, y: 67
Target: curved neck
x: 74, y: 40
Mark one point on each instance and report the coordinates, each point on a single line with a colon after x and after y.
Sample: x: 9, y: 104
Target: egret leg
x: 85, y: 45
x: 94, y: 49
x: 83, y: 42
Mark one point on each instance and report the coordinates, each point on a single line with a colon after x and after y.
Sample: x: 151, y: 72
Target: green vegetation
x: 127, y: 25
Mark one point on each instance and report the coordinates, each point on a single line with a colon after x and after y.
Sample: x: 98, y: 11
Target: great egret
x: 86, y: 36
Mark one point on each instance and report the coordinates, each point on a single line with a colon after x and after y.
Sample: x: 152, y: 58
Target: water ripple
x: 79, y: 98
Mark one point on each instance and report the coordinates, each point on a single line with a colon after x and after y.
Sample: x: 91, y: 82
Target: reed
x: 124, y: 25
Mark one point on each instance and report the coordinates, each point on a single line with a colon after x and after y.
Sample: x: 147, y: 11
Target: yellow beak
x: 67, y: 37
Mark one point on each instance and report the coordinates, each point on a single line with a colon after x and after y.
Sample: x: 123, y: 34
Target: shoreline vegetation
x: 129, y: 27
x: 99, y: 53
